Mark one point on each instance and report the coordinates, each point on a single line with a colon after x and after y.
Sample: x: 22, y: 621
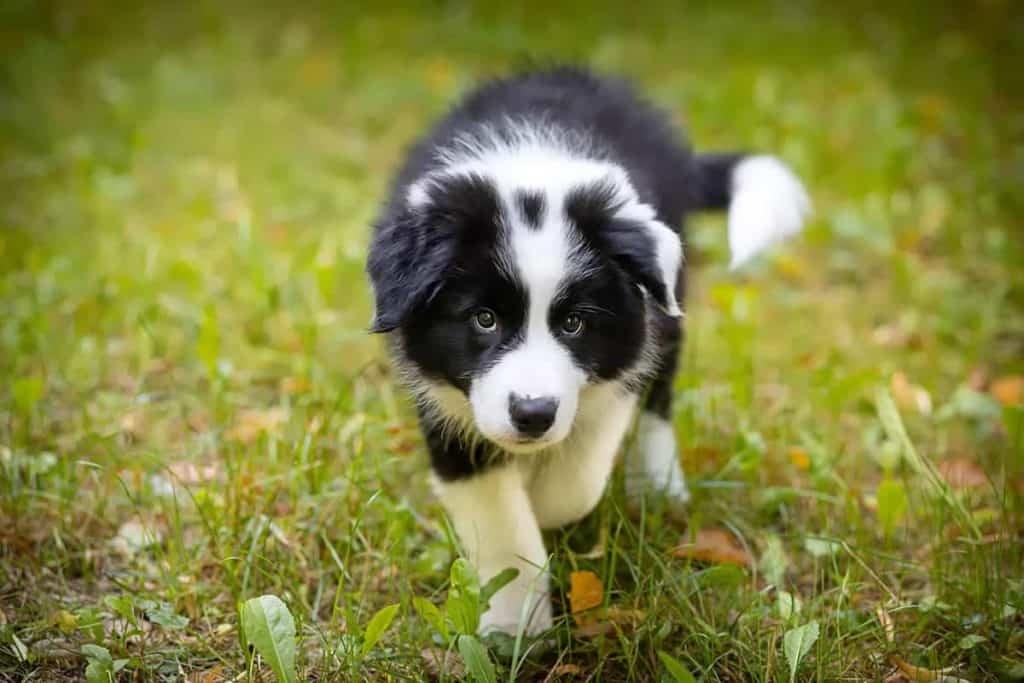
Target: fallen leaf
x: 251, y: 423
x: 586, y: 592
x: 910, y: 396
x: 1008, y: 390
x: 962, y: 473
x: 798, y: 456
x: 439, y: 661
x: 605, y: 622
x: 921, y: 674
x: 214, y: 675
x: 567, y: 670
x: 714, y: 545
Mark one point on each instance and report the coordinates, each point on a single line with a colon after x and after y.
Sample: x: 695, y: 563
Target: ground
x: 192, y: 413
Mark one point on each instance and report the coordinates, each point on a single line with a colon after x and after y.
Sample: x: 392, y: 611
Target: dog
x: 527, y: 270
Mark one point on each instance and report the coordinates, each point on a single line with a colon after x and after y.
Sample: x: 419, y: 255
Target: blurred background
x: 192, y: 414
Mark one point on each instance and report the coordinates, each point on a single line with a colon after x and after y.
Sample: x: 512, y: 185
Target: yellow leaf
x: 799, y: 457
x: 1008, y: 390
x: 921, y: 674
x: 586, y: 592
x: 716, y: 546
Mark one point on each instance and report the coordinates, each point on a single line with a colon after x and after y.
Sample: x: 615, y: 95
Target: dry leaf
x: 214, y: 675
x: 962, y: 473
x: 921, y: 674
x: 1008, y: 390
x: 251, y: 423
x: 586, y: 592
x: 607, y: 621
x: 566, y: 670
x: 716, y: 546
x: 798, y: 456
x: 440, y: 661
x: 910, y: 396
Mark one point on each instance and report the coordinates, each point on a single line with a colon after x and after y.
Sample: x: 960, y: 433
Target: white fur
x: 769, y: 204
x: 540, y: 366
x: 568, y: 483
x: 495, y: 523
x: 654, y: 466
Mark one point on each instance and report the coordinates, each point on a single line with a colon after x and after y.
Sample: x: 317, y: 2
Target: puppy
x: 527, y: 270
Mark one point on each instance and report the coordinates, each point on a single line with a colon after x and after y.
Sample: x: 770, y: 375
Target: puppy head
x: 510, y: 298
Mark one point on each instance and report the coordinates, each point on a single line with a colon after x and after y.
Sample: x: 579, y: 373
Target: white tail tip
x: 769, y: 204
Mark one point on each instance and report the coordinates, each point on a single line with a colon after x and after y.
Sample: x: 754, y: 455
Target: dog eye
x: 572, y: 325
x: 485, y: 320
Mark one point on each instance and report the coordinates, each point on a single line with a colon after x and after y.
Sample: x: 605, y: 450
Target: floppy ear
x: 651, y: 253
x: 609, y: 217
x: 408, y: 258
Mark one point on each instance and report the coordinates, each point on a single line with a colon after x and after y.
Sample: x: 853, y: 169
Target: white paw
x: 654, y: 467
x: 769, y: 204
x: 510, y: 608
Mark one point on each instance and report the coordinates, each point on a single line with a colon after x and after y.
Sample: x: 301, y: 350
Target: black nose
x: 532, y: 416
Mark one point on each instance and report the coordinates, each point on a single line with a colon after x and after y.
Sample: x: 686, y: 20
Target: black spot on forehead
x: 531, y: 206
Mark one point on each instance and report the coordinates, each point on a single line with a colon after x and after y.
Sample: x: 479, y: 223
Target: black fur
x: 433, y: 267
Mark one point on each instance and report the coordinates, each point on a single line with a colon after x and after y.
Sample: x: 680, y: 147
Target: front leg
x: 492, y: 516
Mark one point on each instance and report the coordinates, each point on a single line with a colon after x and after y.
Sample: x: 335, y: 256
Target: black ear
x: 409, y: 256
x: 629, y: 233
x: 418, y: 245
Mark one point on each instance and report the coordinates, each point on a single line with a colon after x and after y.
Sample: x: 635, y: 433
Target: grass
x: 191, y: 413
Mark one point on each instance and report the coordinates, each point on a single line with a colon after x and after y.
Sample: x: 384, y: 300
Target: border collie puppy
x: 528, y: 272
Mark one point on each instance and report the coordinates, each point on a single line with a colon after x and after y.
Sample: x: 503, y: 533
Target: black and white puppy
x: 528, y: 271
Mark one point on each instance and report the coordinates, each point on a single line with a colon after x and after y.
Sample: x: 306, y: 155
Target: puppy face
x: 510, y: 298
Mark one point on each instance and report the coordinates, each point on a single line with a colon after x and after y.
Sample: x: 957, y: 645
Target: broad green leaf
x: 100, y: 667
x: 892, y: 504
x: 377, y: 626
x: 464, y: 577
x: 797, y: 643
x: 164, y: 615
x: 432, y: 615
x: 463, y: 604
x: 787, y: 605
x: 270, y: 628
x: 680, y: 674
x: 478, y: 663
x: 497, y: 582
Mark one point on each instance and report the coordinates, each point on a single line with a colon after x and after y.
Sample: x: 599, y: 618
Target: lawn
x: 193, y: 415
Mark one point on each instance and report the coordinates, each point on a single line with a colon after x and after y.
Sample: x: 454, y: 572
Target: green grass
x: 191, y: 412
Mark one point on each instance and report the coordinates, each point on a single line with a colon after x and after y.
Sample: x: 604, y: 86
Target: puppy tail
x: 767, y: 202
